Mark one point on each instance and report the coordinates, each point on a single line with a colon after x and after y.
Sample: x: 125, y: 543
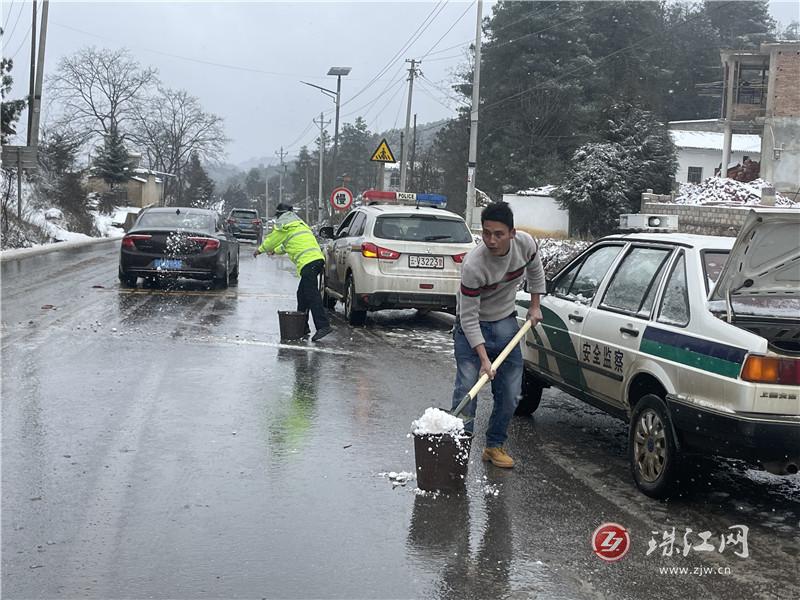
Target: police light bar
x: 404, y: 198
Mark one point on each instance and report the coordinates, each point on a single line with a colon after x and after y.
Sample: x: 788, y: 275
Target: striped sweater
x: 489, y: 283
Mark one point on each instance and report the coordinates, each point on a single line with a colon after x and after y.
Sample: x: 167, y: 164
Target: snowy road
x: 164, y: 443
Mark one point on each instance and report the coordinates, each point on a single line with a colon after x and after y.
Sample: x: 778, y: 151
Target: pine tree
x: 11, y: 109
x: 199, y: 187
x: 234, y: 197
x: 112, y: 162
x: 607, y: 179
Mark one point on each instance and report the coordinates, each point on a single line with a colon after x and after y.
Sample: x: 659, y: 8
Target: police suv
x: 396, y: 251
x: 694, y: 340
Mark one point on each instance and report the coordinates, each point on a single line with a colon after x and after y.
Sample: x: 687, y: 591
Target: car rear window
x: 243, y: 214
x: 183, y: 220
x: 713, y: 262
x: 422, y: 228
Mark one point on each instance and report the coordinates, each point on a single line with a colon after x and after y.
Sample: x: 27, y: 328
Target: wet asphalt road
x: 163, y: 443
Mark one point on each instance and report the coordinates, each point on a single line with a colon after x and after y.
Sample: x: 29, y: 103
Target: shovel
x: 495, y: 365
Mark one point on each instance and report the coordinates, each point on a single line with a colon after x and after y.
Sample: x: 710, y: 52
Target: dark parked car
x: 179, y: 242
x: 246, y: 224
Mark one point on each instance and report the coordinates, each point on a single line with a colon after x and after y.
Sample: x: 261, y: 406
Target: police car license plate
x: 167, y: 263
x: 415, y: 261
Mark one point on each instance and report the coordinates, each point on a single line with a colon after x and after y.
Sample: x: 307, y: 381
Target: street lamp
x: 337, y: 72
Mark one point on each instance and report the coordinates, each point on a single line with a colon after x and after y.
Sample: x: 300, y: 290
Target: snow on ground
x: 716, y: 190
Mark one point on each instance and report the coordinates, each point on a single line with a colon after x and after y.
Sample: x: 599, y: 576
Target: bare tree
x: 171, y: 125
x: 99, y: 89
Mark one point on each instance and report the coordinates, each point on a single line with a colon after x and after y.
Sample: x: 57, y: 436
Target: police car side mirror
x: 326, y: 233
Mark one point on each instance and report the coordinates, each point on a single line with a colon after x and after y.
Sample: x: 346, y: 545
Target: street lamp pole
x: 337, y: 72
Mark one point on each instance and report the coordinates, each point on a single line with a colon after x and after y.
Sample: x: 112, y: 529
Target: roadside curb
x: 20, y: 253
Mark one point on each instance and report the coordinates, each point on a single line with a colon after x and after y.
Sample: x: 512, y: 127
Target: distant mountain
x: 223, y: 173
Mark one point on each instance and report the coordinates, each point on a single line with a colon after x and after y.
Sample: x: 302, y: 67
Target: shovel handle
x: 495, y: 365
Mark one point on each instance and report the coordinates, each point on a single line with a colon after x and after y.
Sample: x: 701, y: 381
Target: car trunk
x: 428, y: 246
x: 170, y: 243
x: 759, y: 287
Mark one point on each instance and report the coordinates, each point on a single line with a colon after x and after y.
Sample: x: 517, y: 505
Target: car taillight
x: 209, y: 244
x: 459, y: 258
x: 370, y: 250
x: 129, y: 241
x: 769, y: 369
x: 256, y: 221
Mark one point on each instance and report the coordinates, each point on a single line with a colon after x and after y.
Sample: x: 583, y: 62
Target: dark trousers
x: 308, y: 295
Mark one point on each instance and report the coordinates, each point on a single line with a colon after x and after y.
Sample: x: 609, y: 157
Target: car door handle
x: 576, y: 318
x: 631, y: 332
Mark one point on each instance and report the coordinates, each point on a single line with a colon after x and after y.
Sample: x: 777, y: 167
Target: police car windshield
x: 422, y: 228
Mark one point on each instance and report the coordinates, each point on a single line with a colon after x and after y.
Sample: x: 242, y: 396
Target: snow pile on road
x: 716, y: 190
x: 437, y: 421
x: 398, y: 478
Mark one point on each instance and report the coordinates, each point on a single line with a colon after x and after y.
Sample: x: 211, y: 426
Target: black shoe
x: 321, y: 333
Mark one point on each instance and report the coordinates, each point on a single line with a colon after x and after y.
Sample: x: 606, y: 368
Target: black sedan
x: 171, y: 242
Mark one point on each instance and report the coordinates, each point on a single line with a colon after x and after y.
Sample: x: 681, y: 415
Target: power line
x: 19, y: 14
x: 449, y: 30
x: 190, y: 59
x: 21, y: 44
x: 413, y: 38
x: 380, y: 94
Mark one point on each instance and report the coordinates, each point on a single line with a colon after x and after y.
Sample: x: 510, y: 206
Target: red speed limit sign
x: 341, y: 198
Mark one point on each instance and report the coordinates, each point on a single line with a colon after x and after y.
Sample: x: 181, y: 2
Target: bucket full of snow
x: 441, y: 450
x: 292, y: 324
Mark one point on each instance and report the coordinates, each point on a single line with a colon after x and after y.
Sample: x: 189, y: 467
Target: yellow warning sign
x: 383, y: 153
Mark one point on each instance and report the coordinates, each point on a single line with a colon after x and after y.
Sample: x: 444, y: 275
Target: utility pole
x: 412, y: 72
x: 470, y: 215
x: 307, y: 215
x: 266, y: 192
x: 322, y: 122
x: 280, y: 155
x: 413, y: 155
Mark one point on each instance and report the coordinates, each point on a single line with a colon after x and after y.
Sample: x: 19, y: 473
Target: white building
x: 700, y: 152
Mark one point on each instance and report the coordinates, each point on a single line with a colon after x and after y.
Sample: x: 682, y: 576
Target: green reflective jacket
x: 293, y: 237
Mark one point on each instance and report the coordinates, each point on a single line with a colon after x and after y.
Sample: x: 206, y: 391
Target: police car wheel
x: 531, y: 396
x: 652, y: 449
x: 354, y: 316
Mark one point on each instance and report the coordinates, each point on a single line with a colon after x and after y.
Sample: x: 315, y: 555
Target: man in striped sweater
x: 486, y: 320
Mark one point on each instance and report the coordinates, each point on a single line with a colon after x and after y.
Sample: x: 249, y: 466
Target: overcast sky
x: 245, y: 60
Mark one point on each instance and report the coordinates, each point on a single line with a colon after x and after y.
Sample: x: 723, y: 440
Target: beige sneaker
x: 498, y: 457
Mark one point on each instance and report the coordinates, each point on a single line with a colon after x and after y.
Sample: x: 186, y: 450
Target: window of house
x: 394, y: 178
x: 695, y: 175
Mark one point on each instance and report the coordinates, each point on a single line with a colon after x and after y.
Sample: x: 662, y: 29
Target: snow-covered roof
x: 712, y: 140
x: 142, y: 179
x: 545, y: 190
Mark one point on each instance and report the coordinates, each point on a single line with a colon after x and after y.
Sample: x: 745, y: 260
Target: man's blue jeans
x: 506, y: 385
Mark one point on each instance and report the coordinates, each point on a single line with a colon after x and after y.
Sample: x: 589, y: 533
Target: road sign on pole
x: 383, y: 153
x: 341, y: 198
x: 20, y: 157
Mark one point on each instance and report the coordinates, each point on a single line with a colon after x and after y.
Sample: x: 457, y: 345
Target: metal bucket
x: 442, y: 460
x: 292, y: 324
